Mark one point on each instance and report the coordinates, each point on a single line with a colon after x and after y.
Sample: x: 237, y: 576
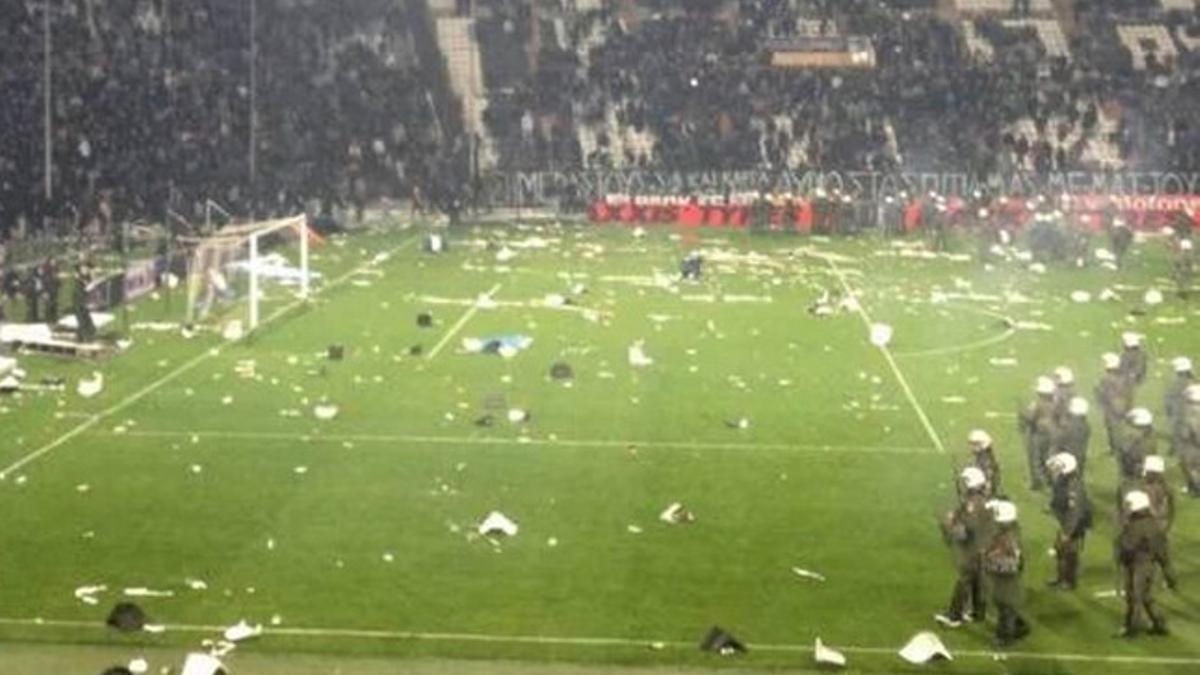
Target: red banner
x: 1146, y: 212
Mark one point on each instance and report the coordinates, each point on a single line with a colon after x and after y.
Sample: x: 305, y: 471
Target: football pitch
x: 201, y: 474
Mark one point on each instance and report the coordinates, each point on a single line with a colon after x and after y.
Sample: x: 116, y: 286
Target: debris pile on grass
x: 637, y: 355
x: 507, y: 346
x: 677, y: 514
x: 496, y: 524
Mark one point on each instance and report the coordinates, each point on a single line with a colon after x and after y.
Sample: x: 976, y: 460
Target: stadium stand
x: 984, y: 87
x: 151, y: 109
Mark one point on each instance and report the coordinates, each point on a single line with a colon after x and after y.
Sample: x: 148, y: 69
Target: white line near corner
x: 395, y: 635
x: 887, y: 354
x: 183, y: 368
x: 462, y: 321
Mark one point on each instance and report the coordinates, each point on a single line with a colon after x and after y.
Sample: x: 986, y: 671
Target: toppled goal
x: 247, y: 265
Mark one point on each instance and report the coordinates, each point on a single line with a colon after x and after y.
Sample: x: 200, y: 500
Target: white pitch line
x: 462, y: 321
x: 180, y: 370
x: 483, y: 440
x: 958, y: 349
x: 887, y: 355
x: 395, y: 635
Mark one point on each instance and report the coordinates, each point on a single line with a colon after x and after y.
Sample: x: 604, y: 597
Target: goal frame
x: 249, y: 235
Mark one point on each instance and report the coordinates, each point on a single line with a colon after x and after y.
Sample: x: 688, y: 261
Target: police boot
x: 1072, y: 569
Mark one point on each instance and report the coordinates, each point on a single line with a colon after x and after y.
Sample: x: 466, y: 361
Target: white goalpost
x: 237, y: 261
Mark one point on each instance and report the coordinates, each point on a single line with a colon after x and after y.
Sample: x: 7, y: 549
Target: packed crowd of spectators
x: 688, y: 85
x: 151, y: 108
x: 151, y: 100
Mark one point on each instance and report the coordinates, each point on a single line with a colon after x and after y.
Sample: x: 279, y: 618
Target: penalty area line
x: 185, y: 367
x: 290, y: 437
x: 462, y: 321
x: 397, y: 635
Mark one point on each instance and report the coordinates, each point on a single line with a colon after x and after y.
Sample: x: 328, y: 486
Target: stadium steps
x: 1133, y: 36
x: 456, y: 39
x: 972, y: 7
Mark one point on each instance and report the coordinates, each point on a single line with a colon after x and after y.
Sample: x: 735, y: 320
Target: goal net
x: 241, y: 271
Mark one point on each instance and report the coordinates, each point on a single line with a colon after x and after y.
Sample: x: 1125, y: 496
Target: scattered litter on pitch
x: 496, y: 523
x: 923, y: 648
x: 677, y: 514
x: 242, y: 631
x: 88, y: 388
x: 808, y: 574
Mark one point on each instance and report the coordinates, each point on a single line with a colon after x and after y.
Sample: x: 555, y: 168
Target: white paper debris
x: 241, y: 631
x: 923, y: 648
x: 1153, y: 297
x: 1080, y: 296
x: 497, y: 523
x: 881, y: 335
x: 198, y: 663
x: 808, y: 574
x: 138, y: 666
x: 676, y: 514
x: 826, y: 656
x: 90, y: 387
x: 87, y: 594
x: 233, y: 331
x: 325, y: 411
x: 637, y: 355
x: 143, y: 592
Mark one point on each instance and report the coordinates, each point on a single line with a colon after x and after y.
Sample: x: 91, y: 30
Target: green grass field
x: 356, y: 534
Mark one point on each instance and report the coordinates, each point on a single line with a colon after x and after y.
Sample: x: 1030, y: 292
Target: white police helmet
x: 1044, y: 386
x: 973, y: 478
x: 1062, y: 464
x: 1003, y: 511
x: 1078, y: 406
x: 979, y: 439
x: 1153, y: 464
x: 1140, y: 417
x: 1137, y: 500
